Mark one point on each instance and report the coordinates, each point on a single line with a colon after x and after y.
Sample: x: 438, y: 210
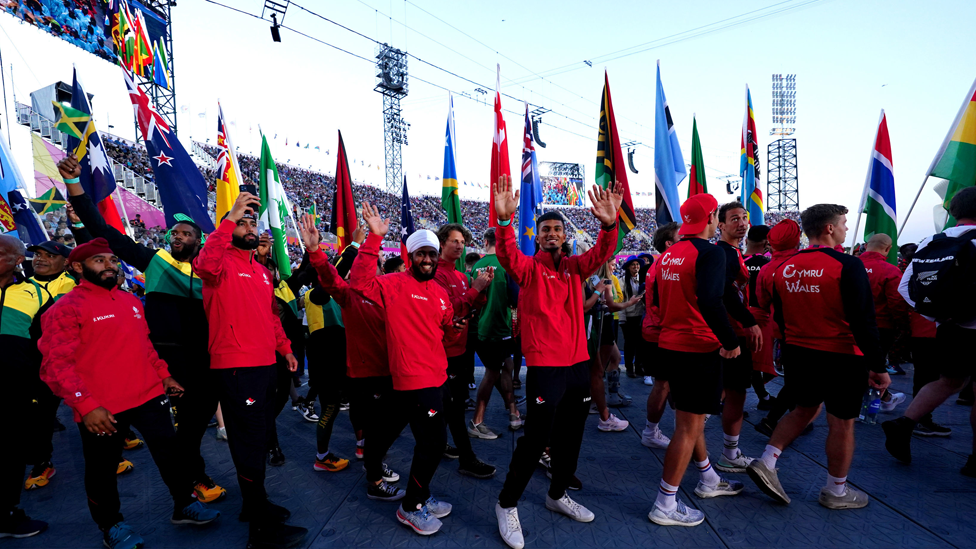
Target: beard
x: 248, y: 242
x: 96, y: 278
x: 186, y: 252
x: 420, y: 275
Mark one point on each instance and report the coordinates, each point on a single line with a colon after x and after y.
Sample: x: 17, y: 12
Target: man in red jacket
x: 109, y: 395
x: 420, y: 323
x: 554, y: 345
x: 452, y: 238
x: 890, y: 309
x: 245, y: 332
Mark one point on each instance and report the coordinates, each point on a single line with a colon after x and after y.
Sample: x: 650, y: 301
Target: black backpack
x: 943, y: 282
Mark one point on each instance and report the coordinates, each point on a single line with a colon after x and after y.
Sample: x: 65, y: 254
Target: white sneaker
x: 896, y: 399
x: 509, y: 527
x: 515, y: 422
x: 612, y: 424
x: 654, y: 439
x: 725, y: 487
x: 648, y: 380
x: 480, y: 431
x: 570, y: 508
x: 737, y: 465
x: 679, y: 516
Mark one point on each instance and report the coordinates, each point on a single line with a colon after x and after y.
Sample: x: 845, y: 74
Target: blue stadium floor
x: 927, y: 504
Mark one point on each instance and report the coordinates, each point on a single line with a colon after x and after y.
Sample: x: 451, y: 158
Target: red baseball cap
x: 695, y: 213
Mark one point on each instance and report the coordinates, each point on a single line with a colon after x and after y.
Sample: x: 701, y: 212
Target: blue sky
x: 853, y: 58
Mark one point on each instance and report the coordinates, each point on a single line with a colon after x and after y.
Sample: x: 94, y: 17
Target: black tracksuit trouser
x: 457, y: 383
x: 196, y: 406
x: 326, y: 377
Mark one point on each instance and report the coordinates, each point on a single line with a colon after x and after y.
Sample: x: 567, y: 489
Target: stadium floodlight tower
x: 391, y: 82
x: 782, y: 188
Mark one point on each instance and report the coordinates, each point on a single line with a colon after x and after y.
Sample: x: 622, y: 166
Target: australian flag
x: 181, y: 185
x: 28, y: 227
x: 530, y: 195
x: 406, y: 222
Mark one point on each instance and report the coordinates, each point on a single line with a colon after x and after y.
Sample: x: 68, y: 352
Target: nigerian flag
x: 274, y: 209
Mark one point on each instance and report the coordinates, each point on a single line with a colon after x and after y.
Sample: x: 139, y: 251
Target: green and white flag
x: 274, y: 209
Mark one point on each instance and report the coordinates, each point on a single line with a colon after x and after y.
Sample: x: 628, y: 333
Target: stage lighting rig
x: 277, y: 11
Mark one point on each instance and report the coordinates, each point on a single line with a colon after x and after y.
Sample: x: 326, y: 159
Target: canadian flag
x: 499, y: 151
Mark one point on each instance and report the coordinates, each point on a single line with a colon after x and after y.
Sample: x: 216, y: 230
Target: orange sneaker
x: 132, y: 443
x: 331, y: 463
x: 208, y: 491
x: 40, y: 476
x: 125, y: 466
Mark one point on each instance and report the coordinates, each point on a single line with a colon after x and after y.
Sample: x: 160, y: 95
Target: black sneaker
x: 970, y: 468
x: 766, y: 426
x: 451, y: 452
x: 18, y: 525
x: 767, y: 404
x: 898, y: 438
x: 273, y: 535
x: 477, y: 469
x: 929, y: 428
x: 270, y: 513
x: 384, y: 491
x: 276, y: 458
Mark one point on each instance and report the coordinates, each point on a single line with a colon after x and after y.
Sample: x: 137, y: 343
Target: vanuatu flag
x: 343, y: 205
x: 51, y: 201
x: 696, y: 178
x: 956, y: 159
x: 608, y: 159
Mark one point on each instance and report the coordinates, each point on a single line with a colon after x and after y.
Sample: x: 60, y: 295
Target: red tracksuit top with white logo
x: 688, y: 287
x: 419, y: 321
x: 366, y: 353
x: 463, y: 299
x: 822, y: 300
x: 764, y: 286
x: 97, y: 351
x: 890, y: 309
x: 551, y: 297
x: 238, y: 296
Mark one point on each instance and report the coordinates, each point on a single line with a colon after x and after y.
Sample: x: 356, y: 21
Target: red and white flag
x: 499, y: 151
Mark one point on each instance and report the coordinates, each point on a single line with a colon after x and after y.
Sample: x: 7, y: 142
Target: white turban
x: 422, y: 238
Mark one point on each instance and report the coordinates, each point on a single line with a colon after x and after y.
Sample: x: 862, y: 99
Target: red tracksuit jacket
x: 97, y: 351
x: 419, y: 321
x: 890, y: 309
x: 238, y: 295
x: 462, y: 297
x: 551, y: 297
x: 366, y: 353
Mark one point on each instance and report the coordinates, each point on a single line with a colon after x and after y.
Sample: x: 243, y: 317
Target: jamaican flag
x: 608, y: 160
x: 51, y: 201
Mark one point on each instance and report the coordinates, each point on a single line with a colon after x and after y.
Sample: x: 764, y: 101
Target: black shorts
x: 695, y: 380
x: 737, y: 372
x: 654, y: 366
x: 610, y: 327
x: 955, y: 351
x: 494, y: 353
x: 837, y: 380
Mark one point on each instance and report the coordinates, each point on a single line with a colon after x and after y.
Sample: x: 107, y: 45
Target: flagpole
x: 942, y: 148
x: 867, y: 181
x: 125, y: 216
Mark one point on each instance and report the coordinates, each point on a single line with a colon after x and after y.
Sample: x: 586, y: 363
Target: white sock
x: 836, y: 485
x: 666, y: 497
x: 770, y: 456
x: 651, y: 427
x: 708, y: 475
x: 731, y: 446
x: 320, y: 457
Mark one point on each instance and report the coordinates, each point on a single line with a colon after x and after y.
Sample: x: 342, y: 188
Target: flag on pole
x: 499, y: 150
x: 29, y: 229
x: 10, y: 180
x: 696, y: 177
x: 878, y: 201
x: 343, y: 205
x: 161, y: 74
x: 752, y: 196
x: 530, y: 196
x: 229, y: 176
x: 669, y: 163
x: 406, y: 222
x: 181, y: 186
x: 50, y: 201
x: 313, y: 211
x: 610, y: 164
x: 123, y: 35
x: 97, y: 178
x: 450, y: 200
x: 70, y: 121
x: 956, y: 159
x: 274, y: 209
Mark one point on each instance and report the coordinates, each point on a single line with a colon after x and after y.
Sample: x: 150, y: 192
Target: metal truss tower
x: 391, y: 82
x: 164, y: 99
x: 782, y: 187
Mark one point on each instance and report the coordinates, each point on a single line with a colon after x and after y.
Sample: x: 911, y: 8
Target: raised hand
x: 605, y: 203
x: 69, y: 168
x: 241, y: 206
x: 264, y: 246
x: 377, y: 225
x: 359, y: 235
x: 484, y: 279
x: 505, y: 202
x: 72, y: 216
x: 309, y: 234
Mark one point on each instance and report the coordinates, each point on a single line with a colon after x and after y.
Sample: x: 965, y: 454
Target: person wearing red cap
x: 695, y: 336
x: 107, y: 396
x: 822, y: 301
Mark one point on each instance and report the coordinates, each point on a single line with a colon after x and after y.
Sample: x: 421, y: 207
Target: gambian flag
x: 956, y: 159
x: 608, y: 159
x: 878, y: 201
x: 696, y: 177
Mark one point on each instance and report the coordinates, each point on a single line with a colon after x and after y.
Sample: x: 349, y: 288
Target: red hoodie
x: 236, y: 288
x: 890, y: 309
x: 366, y: 354
x: 551, y: 297
x: 419, y: 320
x: 462, y: 298
x: 116, y: 367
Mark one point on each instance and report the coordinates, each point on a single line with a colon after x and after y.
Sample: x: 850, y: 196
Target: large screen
x: 84, y: 23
